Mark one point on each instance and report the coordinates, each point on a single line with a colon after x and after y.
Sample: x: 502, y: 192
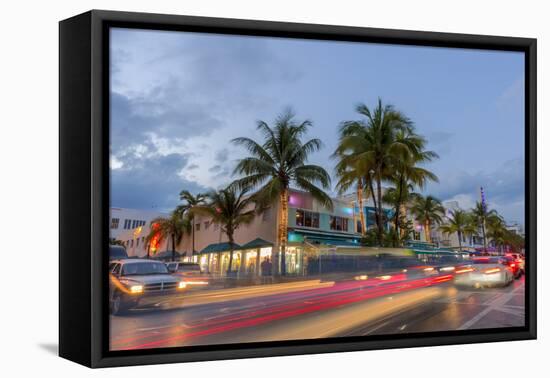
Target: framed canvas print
x: 234, y: 188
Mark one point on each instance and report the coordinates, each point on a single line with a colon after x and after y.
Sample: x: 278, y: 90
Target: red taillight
x: 512, y: 265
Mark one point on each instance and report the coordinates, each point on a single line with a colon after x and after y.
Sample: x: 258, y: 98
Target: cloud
x: 504, y: 188
x: 222, y: 155
x: 151, y: 183
x: 215, y: 169
x: 137, y: 120
x: 170, y: 94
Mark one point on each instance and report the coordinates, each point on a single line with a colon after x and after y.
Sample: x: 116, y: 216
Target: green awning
x: 257, y: 243
x: 333, y: 242
x: 434, y: 252
x: 220, y: 247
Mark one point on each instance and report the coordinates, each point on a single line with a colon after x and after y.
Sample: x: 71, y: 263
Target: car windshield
x: 117, y: 252
x: 189, y: 268
x: 141, y: 268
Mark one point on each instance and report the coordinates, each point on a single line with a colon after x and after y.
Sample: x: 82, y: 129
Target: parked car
x: 484, y: 272
x: 117, y: 252
x: 190, y: 273
x: 135, y: 282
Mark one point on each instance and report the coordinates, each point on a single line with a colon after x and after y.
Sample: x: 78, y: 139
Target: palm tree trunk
x: 484, y: 236
x: 360, y: 204
x: 379, y: 193
x: 173, y: 247
x: 373, y: 201
x: 403, y: 215
x: 459, y: 241
x: 397, y: 210
x: 427, y: 231
x: 192, y: 235
x: 283, y: 229
x: 149, y: 250
x: 229, y: 267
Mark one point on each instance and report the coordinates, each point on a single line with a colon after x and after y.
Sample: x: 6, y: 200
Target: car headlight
x: 182, y: 285
x: 447, y: 269
x: 136, y: 289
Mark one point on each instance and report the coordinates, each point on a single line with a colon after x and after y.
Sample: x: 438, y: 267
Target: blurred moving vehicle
x: 513, y: 264
x: 190, y: 273
x: 520, y: 260
x: 117, y: 252
x: 134, y: 282
x: 484, y: 272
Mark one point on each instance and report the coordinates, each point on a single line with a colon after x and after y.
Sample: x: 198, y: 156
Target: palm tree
x: 375, y: 145
x: 115, y: 241
x: 427, y: 211
x: 350, y: 174
x: 230, y: 208
x: 482, y: 216
x: 496, y: 231
x: 276, y: 163
x: 461, y: 223
x: 186, y: 208
x: 172, y: 228
x: 409, y: 175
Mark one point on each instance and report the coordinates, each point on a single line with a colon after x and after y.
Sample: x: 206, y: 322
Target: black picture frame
x: 84, y: 186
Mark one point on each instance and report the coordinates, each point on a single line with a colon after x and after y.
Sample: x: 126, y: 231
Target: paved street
x: 316, y: 309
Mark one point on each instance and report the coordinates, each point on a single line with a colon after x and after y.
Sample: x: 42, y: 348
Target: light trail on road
x: 295, y: 304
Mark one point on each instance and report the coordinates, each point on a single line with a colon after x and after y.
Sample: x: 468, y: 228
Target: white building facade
x: 122, y: 220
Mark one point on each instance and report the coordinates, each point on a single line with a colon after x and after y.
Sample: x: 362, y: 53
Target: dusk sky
x: 177, y: 99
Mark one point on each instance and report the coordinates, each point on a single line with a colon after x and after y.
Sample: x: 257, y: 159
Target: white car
x: 135, y: 282
x: 484, y: 272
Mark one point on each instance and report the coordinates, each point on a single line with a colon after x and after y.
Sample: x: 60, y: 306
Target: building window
x: 206, y: 225
x: 338, y: 223
x: 137, y: 242
x: 132, y: 243
x: 266, y: 215
x: 307, y: 219
x: 114, y: 223
x: 216, y: 226
x: 197, y: 227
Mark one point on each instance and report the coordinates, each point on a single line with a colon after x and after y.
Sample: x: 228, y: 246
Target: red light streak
x: 278, y: 312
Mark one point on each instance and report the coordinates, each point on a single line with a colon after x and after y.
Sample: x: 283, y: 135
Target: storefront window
x: 224, y: 262
x: 251, y: 261
x: 338, y: 223
x: 293, y: 259
x: 204, y: 263
x: 265, y: 261
x: 214, y: 264
x: 307, y: 218
x: 236, y: 265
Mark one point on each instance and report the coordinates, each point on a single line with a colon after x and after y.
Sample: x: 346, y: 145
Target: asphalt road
x: 318, y: 309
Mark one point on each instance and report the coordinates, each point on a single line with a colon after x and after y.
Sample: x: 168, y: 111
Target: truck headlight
x: 136, y: 289
x: 182, y: 285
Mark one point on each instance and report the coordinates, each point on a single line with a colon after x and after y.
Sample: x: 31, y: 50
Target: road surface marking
x: 498, y: 304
